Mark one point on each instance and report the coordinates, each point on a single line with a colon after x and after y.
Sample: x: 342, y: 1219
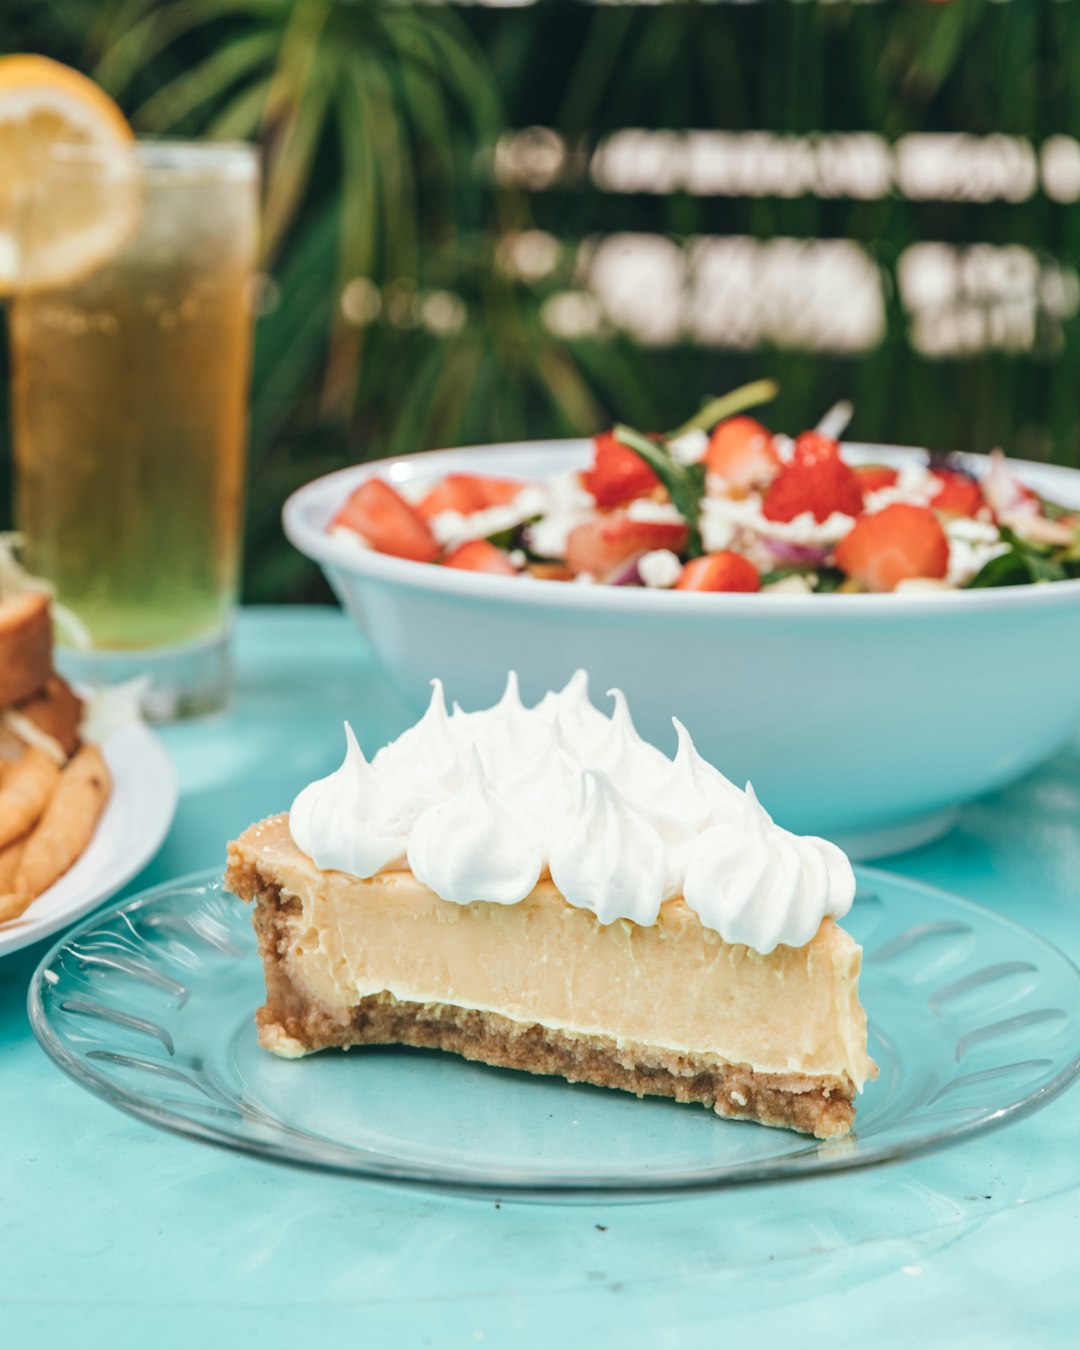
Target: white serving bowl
x: 865, y: 718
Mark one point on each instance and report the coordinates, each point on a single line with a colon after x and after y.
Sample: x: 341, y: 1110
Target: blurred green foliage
x: 378, y: 122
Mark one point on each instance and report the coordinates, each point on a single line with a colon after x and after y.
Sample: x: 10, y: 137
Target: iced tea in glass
x: 129, y: 408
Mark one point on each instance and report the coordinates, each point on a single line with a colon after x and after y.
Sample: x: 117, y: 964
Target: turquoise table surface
x: 114, y: 1234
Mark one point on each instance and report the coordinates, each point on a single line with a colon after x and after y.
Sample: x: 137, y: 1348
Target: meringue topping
x: 476, y: 845
x: 757, y: 884
x: 610, y: 859
x: 480, y: 803
x: 336, y: 820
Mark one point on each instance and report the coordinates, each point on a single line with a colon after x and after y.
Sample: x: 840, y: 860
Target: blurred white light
x: 638, y: 279
x: 984, y: 296
x: 927, y: 275
x: 743, y: 164
x: 934, y: 166
x: 530, y: 255
x: 571, y: 314
x: 360, y: 301
x: 443, y: 312
x: 817, y: 294
x: 738, y: 292
x: 532, y: 158
x: 639, y: 161
x: 1060, y: 159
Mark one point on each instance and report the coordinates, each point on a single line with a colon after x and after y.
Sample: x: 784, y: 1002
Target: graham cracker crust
x: 291, y: 1024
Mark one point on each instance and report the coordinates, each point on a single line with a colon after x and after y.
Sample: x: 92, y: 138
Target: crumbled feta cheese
x: 807, y: 529
x: 349, y: 536
x: 414, y: 490
x: 562, y: 504
x: 518, y: 557
x: 795, y: 584
x: 659, y: 569
x: 972, y: 544
x: 660, y: 513
x: 451, y: 528
x: 723, y: 517
x: 690, y: 447
x: 717, y: 524
x: 916, y: 485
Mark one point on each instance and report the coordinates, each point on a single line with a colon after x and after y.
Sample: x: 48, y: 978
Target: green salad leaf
x: 685, y: 483
x: 727, y: 405
x: 1024, y: 564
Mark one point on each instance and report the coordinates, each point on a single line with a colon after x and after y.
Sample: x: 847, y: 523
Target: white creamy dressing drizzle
x: 480, y: 803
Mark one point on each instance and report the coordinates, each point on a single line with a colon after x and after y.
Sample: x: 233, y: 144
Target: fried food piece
x: 13, y: 905
x: 11, y: 748
x: 56, y: 710
x: 10, y: 856
x: 26, y: 789
x: 67, y: 823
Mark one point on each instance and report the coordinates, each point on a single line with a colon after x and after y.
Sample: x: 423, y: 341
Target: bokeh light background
x: 491, y: 222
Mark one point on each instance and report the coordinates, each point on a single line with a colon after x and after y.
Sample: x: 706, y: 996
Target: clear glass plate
x: 974, y: 1021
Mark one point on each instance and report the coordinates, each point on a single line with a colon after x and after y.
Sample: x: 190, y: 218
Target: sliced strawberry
x: 387, y: 522
x: 816, y: 480
x: 599, y: 546
x: 888, y: 547
x: 741, y: 451
x: 874, y: 477
x: 468, y: 492
x: 618, y: 474
x: 726, y: 571
x: 959, y: 495
x: 480, y: 555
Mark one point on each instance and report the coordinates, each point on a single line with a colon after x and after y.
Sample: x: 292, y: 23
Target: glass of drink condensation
x: 129, y: 414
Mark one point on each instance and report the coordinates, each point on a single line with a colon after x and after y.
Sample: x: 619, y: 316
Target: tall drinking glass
x: 129, y: 407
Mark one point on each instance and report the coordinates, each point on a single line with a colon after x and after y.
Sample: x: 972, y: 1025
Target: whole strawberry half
x: 894, y: 545
x: 617, y: 474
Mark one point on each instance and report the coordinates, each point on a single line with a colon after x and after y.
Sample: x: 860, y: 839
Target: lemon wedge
x: 68, y: 193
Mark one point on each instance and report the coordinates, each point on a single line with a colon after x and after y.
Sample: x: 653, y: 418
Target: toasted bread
x: 25, y: 647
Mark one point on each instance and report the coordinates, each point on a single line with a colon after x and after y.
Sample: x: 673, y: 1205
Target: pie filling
x: 664, y: 1009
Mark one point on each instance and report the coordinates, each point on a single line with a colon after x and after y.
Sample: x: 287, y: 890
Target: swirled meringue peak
x: 757, y: 884
x: 336, y: 820
x: 506, y: 735
x: 428, y: 761
x: 610, y: 859
x: 633, y: 765
x: 693, y: 790
x: 476, y: 845
x: 481, y: 802
x: 583, y: 724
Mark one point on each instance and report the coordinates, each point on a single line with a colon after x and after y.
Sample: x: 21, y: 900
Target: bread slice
x: 25, y: 647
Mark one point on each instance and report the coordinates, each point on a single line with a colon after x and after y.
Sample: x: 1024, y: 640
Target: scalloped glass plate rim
x: 813, y: 1159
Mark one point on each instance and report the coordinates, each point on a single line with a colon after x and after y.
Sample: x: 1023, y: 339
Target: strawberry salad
x: 724, y: 504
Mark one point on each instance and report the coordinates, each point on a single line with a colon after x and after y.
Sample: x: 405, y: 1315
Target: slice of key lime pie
x: 541, y: 889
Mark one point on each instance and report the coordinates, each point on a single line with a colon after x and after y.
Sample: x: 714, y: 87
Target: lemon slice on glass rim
x: 69, y: 197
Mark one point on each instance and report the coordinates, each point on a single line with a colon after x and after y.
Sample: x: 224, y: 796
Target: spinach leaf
x: 1023, y: 565
x: 829, y: 579
x: 685, y: 483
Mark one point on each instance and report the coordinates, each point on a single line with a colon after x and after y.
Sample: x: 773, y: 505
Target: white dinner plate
x: 129, y: 833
